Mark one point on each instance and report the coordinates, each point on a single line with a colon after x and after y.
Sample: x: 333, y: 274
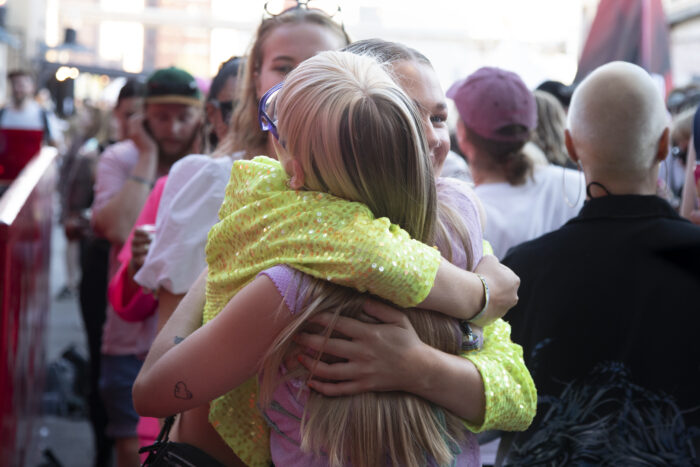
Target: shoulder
x: 289, y: 283
x: 123, y: 151
x: 460, y: 195
x: 537, y: 250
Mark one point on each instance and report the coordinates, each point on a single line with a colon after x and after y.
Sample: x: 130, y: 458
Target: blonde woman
x: 193, y: 195
x: 403, y: 179
x: 389, y: 356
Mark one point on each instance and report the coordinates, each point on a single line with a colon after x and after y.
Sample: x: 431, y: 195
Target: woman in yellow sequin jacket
x: 437, y: 427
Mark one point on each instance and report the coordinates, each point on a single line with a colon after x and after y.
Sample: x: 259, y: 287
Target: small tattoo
x: 181, y: 391
x: 178, y: 339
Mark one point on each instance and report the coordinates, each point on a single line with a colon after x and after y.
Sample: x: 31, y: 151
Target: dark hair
x: 504, y: 155
x: 231, y: 67
x: 559, y: 90
x: 16, y: 73
x: 132, y: 88
x: 385, y: 51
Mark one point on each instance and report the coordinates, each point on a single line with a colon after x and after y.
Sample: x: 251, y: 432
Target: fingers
x: 135, y: 125
x: 342, y: 374
x: 337, y: 347
x: 336, y: 371
x: 384, y: 313
x: 350, y: 327
x: 346, y: 388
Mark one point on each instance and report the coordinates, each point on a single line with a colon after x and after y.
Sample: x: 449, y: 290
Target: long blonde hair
x: 245, y: 133
x: 361, y: 139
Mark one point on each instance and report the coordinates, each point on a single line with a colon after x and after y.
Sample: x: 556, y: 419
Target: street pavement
x: 69, y: 440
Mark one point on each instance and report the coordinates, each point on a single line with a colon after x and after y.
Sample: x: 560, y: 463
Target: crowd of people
x: 300, y: 270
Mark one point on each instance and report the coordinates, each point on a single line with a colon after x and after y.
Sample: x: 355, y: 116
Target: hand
x: 136, y: 131
x: 378, y: 356
x: 503, y: 289
x: 140, y: 243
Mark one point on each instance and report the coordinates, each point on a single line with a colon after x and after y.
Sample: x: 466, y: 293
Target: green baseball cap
x: 172, y: 86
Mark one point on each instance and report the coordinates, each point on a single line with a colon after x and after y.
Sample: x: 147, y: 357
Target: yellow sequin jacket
x: 264, y: 223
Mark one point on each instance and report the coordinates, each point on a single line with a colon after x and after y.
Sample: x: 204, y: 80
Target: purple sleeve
x: 463, y: 200
x: 290, y: 283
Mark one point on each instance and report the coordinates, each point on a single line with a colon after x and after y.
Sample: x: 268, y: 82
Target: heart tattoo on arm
x: 181, y: 391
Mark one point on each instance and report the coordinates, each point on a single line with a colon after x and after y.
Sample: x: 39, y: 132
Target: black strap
x: 157, y: 450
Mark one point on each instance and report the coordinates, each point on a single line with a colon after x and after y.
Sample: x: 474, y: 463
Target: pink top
x: 289, y: 398
x: 140, y: 305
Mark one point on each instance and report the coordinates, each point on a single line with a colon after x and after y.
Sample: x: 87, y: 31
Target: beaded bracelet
x: 141, y: 180
x: 486, y: 302
x: 469, y: 340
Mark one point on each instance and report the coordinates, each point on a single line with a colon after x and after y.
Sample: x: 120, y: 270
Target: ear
x: 662, y: 148
x: 569, y: 141
x: 297, y: 180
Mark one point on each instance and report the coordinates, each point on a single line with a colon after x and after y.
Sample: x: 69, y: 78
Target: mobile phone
x: 697, y: 172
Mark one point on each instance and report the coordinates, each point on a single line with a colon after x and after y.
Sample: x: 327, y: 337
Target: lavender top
x: 288, y: 402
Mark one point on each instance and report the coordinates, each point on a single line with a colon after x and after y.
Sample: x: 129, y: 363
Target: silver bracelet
x: 141, y: 180
x: 486, y: 302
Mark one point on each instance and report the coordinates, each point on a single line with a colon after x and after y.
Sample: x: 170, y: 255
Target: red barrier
x: 25, y: 250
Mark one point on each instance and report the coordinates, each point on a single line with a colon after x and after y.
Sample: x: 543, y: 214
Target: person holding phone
x: 165, y: 130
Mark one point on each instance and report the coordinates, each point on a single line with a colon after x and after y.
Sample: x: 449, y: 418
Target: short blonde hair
x: 357, y: 136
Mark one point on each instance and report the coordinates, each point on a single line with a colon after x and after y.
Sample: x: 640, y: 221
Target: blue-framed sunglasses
x: 267, y: 110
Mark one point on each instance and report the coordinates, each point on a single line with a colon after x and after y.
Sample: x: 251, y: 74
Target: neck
x: 617, y: 185
x: 20, y: 103
x: 483, y: 173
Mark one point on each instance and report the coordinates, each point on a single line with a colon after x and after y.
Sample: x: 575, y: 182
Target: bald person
x: 618, y: 286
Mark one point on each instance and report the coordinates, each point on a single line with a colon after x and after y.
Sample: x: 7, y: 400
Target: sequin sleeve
x: 511, y: 397
x: 264, y: 223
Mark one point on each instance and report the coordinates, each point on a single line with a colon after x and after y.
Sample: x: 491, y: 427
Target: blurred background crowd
x: 87, y: 64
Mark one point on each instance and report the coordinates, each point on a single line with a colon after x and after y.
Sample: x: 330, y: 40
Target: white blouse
x: 188, y: 208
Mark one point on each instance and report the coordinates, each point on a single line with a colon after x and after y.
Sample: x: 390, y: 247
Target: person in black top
x: 609, y: 310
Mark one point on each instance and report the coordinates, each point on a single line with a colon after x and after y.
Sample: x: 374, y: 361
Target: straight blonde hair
x: 245, y: 133
x: 360, y: 138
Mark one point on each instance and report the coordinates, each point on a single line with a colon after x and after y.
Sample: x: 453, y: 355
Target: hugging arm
x: 189, y: 365
x: 489, y: 388
x: 389, y: 356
